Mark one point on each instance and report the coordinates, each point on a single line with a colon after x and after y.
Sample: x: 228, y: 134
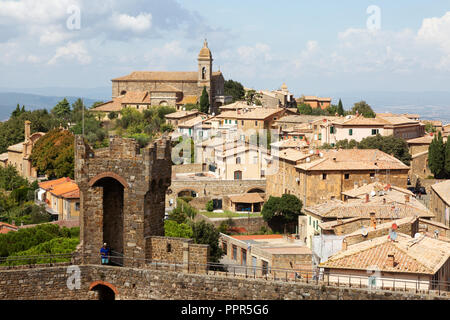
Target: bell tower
x: 205, y: 67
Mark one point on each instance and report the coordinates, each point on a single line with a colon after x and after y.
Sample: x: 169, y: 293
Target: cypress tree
x: 204, y: 101
x: 436, y: 156
x: 447, y: 159
x: 340, y: 109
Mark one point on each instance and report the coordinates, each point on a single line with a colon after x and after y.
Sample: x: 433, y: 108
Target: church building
x: 167, y: 88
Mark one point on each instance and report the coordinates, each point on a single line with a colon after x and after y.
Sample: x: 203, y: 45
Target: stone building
x: 325, y: 174
x: 171, y: 88
x: 19, y: 155
x: 440, y: 201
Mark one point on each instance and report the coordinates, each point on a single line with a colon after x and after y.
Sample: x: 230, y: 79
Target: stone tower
x: 205, y: 61
x: 122, y: 196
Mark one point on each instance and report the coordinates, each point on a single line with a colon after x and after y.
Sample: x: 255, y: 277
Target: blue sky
x: 315, y: 47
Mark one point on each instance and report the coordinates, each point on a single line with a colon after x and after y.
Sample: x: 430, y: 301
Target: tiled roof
x: 182, y: 114
x: 421, y: 140
x: 165, y: 88
x: 259, y: 237
x: 290, y: 143
x: 354, y: 159
x: 399, y: 120
x: 111, y: 106
x: 336, y: 209
x: 443, y: 190
x: 188, y: 100
x: 237, y: 105
x: 362, y: 121
x: 47, y: 185
x: 70, y: 188
x: 301, y: 118
x: 385, y: 226
x: 424, y: 255
x: 376, y: 187
x: 16, y: 147
x: 247, y: 198
x: 132, y: 97
x: 193, y: 122
x: 253, y: 114
x: 292, y: 155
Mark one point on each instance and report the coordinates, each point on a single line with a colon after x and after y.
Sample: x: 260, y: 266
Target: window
x: 238, y: 160
x: 375, y: 132
x: 235, y: 121
x: 238, y: 175
x: 324, y: 176
x: 347, y: 176
x: 263, y: 174
x: 256, y: 123
x: 332, y: 130
x: 320, y: 136
x: 243, y: 257
x: 169, y: 247
x: 309, y: 220
x: 372, y: 175
x: 234, y: 252
x: 242, y: 122
x: 350, y: 132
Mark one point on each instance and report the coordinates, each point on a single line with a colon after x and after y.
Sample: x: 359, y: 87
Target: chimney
x: 391, y: 260
x: 406, y: 197
x: 27, y: 130
x: 384, y: 200
x: 367, y: 198
x: 373, y: 220
x: 344, y: 245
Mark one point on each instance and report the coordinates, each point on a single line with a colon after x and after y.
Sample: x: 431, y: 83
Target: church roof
x: 159, y: 76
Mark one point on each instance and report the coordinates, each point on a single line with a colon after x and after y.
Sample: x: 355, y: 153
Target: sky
x: 315, y: 47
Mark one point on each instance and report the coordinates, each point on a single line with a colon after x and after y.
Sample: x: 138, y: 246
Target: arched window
x: 203, y: 73
x: 238, y: 160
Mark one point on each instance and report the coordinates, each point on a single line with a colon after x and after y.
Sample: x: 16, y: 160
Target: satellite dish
x: 311, y: 151
x: 364, y: 232
x: 417, y: 235
x: 321, y: 155
x: 373, y: 193
x: 308, y: 160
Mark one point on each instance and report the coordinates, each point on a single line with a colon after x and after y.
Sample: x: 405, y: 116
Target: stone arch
x: 106, y: 291
x: 256, y: 190
x: 112, y: 175
x: 187, y: 192
x: 164, y: 103
x: 113, y: 204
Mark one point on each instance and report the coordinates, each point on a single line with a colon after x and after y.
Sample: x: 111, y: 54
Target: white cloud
x: 138, y: 24
x: 72, y: 51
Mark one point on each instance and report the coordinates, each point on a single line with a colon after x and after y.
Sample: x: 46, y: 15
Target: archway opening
x: 113, y: 201
x: 187, y: 193
x: 256, y: 190
x: 104, y: 292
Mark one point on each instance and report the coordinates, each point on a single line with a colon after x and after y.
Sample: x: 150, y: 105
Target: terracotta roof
x: 258, y: 114
x: 290, y: 143
x: 292, y: 155
x: 301, y: 118
x: 354, y: 159
x: 336, y: 209
x: 165, y: 88
x: 237, y: 106
x: 193, y: 122
x: 427, y: 139
x: 314, y: 98
x: 443, y: 190
x: 182, y: 114
x: 362, y: 121
x: 134, y: 97
x: 399, y: 120
x: 111, y: 106
x: 289, y: 250
x: 424, y: 255
x: 259, y: 237
x: 384, y: 226
x: 16, y: 147
x: 247, y: 198
x: 188, y: 100
x: 7, y: 225
x: 375, y: 187
x: 190, y: 76
x: 47, y: 185
x: 70, y: 188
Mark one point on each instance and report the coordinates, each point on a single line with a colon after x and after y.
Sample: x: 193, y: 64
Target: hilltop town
x: 198, y: 174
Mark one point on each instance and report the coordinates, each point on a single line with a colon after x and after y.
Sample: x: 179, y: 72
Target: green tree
x: 304, y: 108
x: 62, y: 111
x: 206, y: 233
x: 447, y: 159
x: 177, y: 230
x: 363, y: 109
x: 53, y: 154
x: 204, y: 101
x: 210, y: 206
x: 234, y: 89
x: 286, y: 209
x: 253, y: 98
x: 340, y: 108
x: 436, y: 156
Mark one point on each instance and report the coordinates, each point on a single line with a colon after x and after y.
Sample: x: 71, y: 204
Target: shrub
x: 210, y: 206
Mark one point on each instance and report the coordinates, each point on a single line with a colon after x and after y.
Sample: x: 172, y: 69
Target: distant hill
x: 9, y: 101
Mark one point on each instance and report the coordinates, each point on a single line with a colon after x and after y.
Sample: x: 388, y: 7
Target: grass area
x: 229, y: 214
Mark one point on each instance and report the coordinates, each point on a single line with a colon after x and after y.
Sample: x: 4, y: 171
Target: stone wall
x: 252, y: 224
x: 139, y: 284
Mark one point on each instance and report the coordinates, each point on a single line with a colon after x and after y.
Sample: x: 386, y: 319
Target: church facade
x: 176, y: 88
